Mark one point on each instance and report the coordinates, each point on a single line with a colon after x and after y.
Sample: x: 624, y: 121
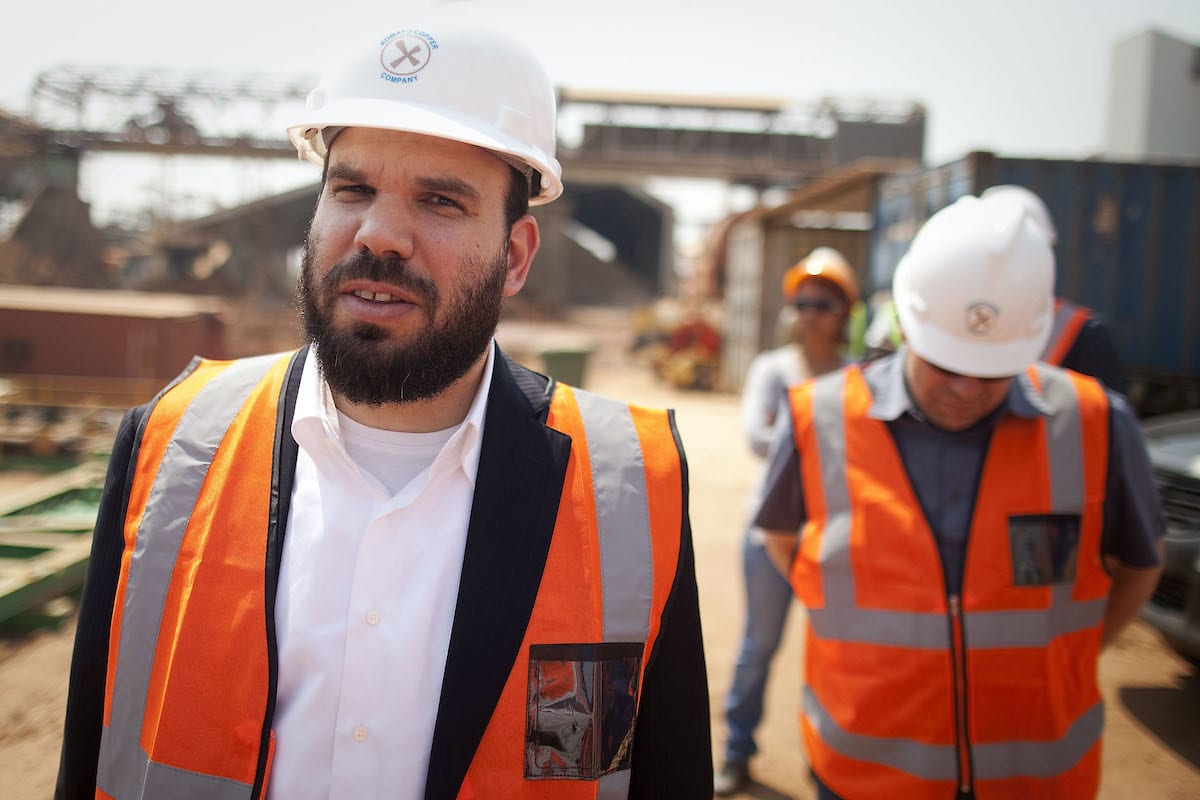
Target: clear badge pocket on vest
x: 581, y: 709
x: 1044, y: 547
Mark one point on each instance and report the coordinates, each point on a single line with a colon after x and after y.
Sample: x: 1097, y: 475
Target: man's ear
x: 523, y: 243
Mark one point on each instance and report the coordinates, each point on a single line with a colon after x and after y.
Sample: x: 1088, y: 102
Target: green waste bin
x: 566, y: 364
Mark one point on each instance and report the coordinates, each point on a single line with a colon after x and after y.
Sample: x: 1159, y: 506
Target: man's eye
x: 445, y: 202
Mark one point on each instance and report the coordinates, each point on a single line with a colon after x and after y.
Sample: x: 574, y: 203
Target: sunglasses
x: 820, y: 306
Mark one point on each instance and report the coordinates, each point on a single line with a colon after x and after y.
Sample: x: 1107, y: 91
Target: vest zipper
x: 958, y: 656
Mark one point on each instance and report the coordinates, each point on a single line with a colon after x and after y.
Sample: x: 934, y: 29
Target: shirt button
x: 360, y: 733
x: 372, y: 617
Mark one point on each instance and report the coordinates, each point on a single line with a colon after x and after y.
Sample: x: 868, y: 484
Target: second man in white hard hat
x: 967, y: 528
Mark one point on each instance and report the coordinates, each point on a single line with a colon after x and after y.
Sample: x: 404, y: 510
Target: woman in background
x: 821, y: 292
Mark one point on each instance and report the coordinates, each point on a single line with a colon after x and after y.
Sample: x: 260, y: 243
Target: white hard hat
x: 450, y: 77
x: 975, y: 291
x: 1034, y: 206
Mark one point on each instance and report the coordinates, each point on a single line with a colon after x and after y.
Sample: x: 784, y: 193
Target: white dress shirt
x: 366, y: 598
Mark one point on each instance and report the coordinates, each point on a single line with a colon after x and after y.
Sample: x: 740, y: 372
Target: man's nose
x: 386, y: 227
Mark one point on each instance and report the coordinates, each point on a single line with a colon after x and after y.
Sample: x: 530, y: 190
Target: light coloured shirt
x: 765, y: 394
x: 367, y: 590
x: 765, y: 407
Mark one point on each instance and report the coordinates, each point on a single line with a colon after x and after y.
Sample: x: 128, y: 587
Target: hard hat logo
x: 981, y: 318
x: 406, y: 53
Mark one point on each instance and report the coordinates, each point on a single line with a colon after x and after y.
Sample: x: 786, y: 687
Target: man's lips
x: 378, y: 303
x: 377, y: 297
x: 379, y: 293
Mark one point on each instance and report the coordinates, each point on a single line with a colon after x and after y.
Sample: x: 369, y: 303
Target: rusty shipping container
x: 57, y: 331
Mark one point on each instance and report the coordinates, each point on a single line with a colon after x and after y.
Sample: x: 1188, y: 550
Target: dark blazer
x: 521, y: 469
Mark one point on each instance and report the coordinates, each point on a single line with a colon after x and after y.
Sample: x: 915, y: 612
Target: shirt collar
x: 471, y: 430
x: 316, y: 416
x: 890, y: 397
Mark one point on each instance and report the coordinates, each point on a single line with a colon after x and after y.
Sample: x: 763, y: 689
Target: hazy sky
x: 1022, y: 77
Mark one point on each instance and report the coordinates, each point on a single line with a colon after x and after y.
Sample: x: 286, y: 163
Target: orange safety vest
x: 1069, y: 319
x: 911, y: 693
x: 185, y: 713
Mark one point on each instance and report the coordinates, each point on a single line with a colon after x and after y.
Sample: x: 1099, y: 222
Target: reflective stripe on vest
x: 839, y: 616
x: 623, y: 524
x: 622, y: 516
x: 1068, y: 320
x: 125, y: 770
x: 939, y: 762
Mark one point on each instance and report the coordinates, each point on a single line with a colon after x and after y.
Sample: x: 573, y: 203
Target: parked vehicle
x: 1128, y: 247
x: 1173, y: 441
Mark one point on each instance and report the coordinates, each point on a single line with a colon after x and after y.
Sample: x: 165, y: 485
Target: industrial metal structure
x: 608, y: 136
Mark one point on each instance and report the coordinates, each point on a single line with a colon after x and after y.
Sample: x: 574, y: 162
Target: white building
x: 1154, y: 99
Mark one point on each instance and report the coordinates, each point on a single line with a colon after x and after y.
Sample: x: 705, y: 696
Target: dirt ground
x: 1152, y: 736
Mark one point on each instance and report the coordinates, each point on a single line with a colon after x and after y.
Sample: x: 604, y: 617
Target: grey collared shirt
x: 944, y: 468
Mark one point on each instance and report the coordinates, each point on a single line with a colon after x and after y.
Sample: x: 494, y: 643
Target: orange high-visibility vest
x: 910, y: 692
x: 186, y: 701
x: 1068, y: 320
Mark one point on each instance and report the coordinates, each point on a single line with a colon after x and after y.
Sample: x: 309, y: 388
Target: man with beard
x: 395, y: 563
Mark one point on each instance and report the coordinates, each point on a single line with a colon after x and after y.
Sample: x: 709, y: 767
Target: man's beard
x: 363, y: 366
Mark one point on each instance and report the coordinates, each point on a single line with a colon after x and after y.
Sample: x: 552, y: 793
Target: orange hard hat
x: 827, y: 263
